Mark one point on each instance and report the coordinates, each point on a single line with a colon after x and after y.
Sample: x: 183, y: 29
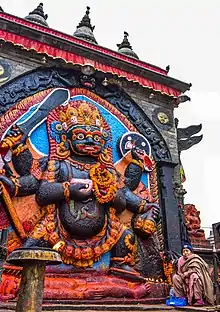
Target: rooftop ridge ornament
x: 38, y: 16
x: 86, y: 21
x: 85, y: 29
x: 126, y: 48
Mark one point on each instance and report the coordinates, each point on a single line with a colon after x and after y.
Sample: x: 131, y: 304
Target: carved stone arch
x: 40, y: 79
x: 44, y: 78
x: 35, y: 81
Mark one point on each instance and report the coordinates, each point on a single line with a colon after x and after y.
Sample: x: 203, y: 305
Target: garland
x: 104, y: 183
x: 168, y: 270
x: 71, y: 251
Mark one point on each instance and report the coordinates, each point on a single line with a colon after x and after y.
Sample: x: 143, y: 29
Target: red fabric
x: 4, y: 220
x: 69, y: 57
x: 82, y: 43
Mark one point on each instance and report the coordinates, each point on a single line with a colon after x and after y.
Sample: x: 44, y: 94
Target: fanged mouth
x: 140, y: 152
x: 88, y: 148
x: 88, y: 84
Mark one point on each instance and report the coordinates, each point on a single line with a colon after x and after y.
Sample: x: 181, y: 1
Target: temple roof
x: 78, y: 51
x: 126, y: 48
x: 38, y: 16
x: 85, y: 30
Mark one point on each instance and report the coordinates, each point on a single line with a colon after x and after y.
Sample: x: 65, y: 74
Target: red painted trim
x: 83, y: 43
x: 69, y: 57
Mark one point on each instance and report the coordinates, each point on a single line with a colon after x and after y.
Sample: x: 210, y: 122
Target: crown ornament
x: 81, y: 113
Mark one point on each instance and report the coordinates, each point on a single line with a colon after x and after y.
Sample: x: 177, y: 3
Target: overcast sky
x: 184, y: 34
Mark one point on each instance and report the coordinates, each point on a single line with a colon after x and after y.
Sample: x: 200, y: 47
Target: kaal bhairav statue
x: 60, y: 187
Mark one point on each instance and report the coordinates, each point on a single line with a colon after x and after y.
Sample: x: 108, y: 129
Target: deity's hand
x: 8, y: 184
x: 153, y: 209
x: 14, y: 131
x: 80, y: 189
x: 13, y: 138
x: 145, y: 222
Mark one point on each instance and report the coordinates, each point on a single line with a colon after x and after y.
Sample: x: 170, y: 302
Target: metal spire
x: 126, y: 48
x: 38, y: 16
x: 85, y: 29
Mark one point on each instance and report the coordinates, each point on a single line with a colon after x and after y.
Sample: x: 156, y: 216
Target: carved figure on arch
x: 193, y: 222
x: 76, y: 189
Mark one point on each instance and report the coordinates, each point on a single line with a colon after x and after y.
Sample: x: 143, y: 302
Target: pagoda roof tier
x: 57, y: 45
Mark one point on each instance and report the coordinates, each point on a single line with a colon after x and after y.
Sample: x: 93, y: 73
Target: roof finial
x: 125, y: 43
x: 85, y: 29
x: 125, y: 47
x: 167, y: 68
x: 38, y: 16
x: 86, y: 21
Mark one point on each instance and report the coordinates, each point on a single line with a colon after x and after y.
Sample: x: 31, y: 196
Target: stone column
x: 169, y: 206
x: 34, y: 262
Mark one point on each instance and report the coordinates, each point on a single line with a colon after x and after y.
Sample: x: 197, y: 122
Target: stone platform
x: 87, y: 288
x: 68, y: 307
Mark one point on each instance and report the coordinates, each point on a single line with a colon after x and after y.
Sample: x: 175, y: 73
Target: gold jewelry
x: 66, y: 190
x: 59, y: 246
x: 142, y: 206
x: 83, y: 113
x: 104, y: 182
x: 62, y: 151
x: 17, y: 185
x: 138, y: 163
x: 21, y: 148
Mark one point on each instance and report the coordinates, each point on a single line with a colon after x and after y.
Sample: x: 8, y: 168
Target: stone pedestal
x: 34, y: 262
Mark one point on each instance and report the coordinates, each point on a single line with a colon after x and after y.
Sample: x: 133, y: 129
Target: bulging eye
x: 96, y: 138
x: 105, y: 134
x: 59, y: 127
x: 80, y: 136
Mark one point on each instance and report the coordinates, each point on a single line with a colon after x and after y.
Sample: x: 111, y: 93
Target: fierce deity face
x: 80, y: 130
x: 86, y: 140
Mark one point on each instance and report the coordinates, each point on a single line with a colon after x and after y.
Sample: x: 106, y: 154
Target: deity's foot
x: 127, y: 272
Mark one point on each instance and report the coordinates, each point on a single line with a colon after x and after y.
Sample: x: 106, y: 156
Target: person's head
x: 187, y: 250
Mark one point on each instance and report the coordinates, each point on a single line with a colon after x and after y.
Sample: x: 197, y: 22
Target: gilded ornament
x: 163, y: 118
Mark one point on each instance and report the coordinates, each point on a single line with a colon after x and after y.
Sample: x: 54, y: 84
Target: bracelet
x: 142, y: 206
x: 17, y: 185
x: 138, y: 163
x: 20, y: 149
x: 66, y: 190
